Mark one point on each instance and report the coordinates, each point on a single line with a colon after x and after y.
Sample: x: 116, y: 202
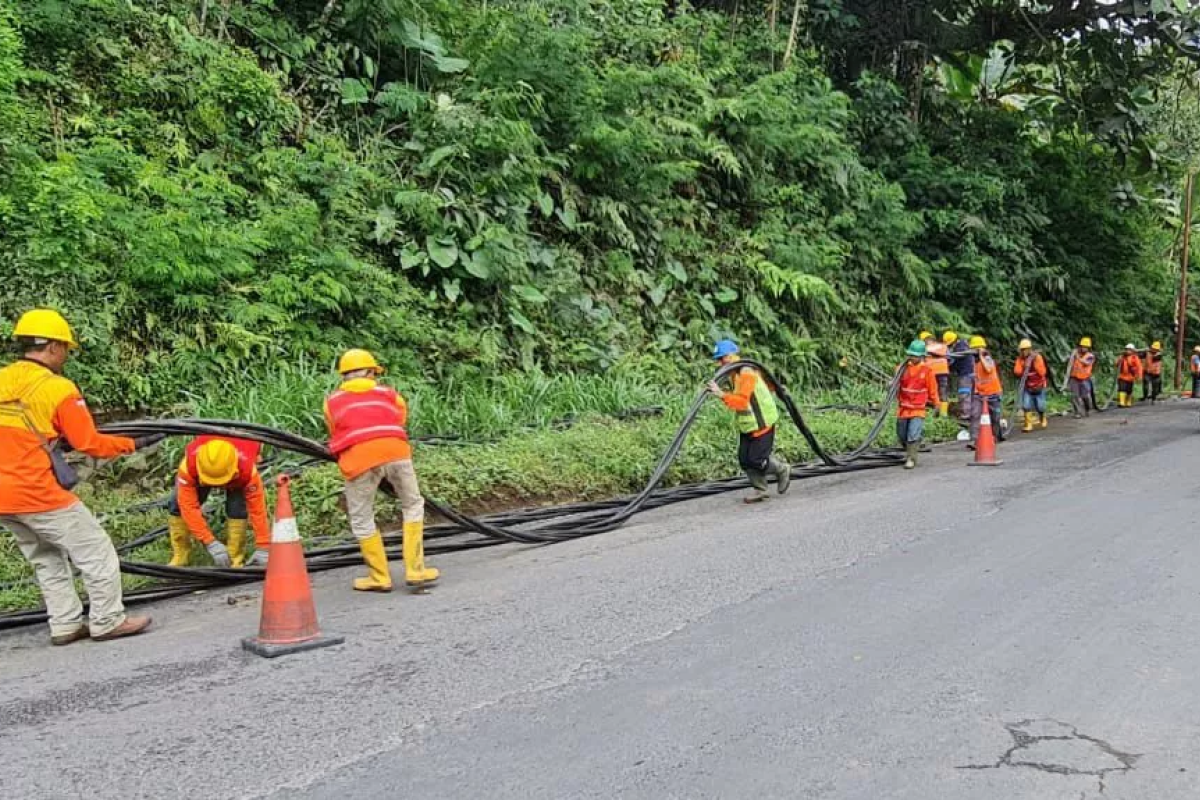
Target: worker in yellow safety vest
x: 368, y: 435
x: 755, y: 414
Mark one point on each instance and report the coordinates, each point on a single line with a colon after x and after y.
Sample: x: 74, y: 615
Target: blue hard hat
x: 725, y: 347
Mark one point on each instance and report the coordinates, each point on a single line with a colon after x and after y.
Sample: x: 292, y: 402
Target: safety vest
x: 1035, y: 379
x: 762, y: 413
x: 1082, y: 364
x: 1129, y: 368
x: 1154, y: 362
x: 914, y: 387
x: 987, y: 377
x: 358, y: 417
x: 247, y: 456
x: 1196, y: 365
x: 936, y: 359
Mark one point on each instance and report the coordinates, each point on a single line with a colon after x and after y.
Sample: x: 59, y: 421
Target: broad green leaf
x: 521, y: 321
x: 478, y: 264
x: 676, y: 271
x: 385, y: 225
x: 451, y: 289
x: 658, y: 294
x: 443, y: 251
x: 530, y: 294
x: 726, y: 295
x: 354, y: 92
x: 411, y: 257
x: 546, y: 204
x: 708, y: 306
x: 439, y: 155
x: 450, y: 66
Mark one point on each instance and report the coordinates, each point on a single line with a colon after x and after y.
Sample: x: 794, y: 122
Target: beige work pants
x: 51, y: 541
x: 360, y: 496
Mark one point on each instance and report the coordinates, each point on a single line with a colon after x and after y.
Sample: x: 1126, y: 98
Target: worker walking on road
x: 918, y: 391
x: 939, y: 365
x: 230, y: 465
x: 755, y: 413
x: 1152, y: 377
x: 39, y: 408
x: 1080, y: 386
x: 367, y: 431
x: 989, y: 391
x: 1032, y: 367
x: 1195, y: 367
x: 962, y: 366
x: 1129, y: 372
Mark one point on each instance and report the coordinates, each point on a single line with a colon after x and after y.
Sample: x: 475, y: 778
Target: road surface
x: 1028, y: 631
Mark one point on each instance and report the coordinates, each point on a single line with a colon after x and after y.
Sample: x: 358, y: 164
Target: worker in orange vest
x: 1195, y: 367
x: 918, y: 391
x: 215, y: 462
x: 1129, y: 372
x: 988, y: 390
x: 40, y: 409
x: 1080, y: 385
x: 1152, y: 378
x: 366, y: 422
x: 1032, y: 366
x: 939, y: 364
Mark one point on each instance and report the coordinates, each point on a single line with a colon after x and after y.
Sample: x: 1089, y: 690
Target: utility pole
x: 1181, y: 311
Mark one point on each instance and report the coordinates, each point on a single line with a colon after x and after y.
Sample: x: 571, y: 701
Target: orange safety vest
x: 247, y: 456
x: 1129, y: 368
x: 1082, y: 364
x: 987, y: 377
x: 936, y: 359
x: 914, y: 390
x: 358, y: 417
x: 1037, y: 373
x: 1154, y: 362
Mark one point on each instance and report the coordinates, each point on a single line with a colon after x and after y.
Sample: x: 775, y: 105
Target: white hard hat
x: 1130, y: 346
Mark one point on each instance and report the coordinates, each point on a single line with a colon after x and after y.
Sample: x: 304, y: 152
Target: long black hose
x: 529, y: 526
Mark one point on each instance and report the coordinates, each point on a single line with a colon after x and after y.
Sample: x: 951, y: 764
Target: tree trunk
x: 791, y: 45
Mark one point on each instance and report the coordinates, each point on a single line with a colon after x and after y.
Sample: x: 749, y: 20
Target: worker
x: 1080, y: 367
x: 1032, y: 366
x: 215, y: 462
x: 368, y: 436
x: 962, y: 366
x: 940, y: 366
x: 1129, y: 372
x: 988, y: 390
x: 39, y: 409
x: 1152, y: 373
x: 1195, y: 367
x: 918, y: 391
x: 755, y: 414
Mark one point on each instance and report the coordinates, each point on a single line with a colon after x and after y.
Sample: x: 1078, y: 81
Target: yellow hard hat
x: 216, y: 462
x: 1085, y: 341
x: 42, y: 323
x: 354, y: 360
x: 1025, y: 344
x: 976, y: 342
x: 1156, y: 346
x: 923, y: 335
x: 949, y: 337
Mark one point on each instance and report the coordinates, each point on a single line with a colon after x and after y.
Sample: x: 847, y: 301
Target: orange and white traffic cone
x: 288, y: 622
x: 985, y: 445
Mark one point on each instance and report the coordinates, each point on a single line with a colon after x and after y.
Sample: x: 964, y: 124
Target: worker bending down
x: 939, y: 365
x: 918, y: 391
x: 367, y: 433
x: 1152, y: 377
x: 1032, y: 366
x: 1129, y: 372
x: 755, y: 414
x: 988, y: 390
x: 228, y: 465
x: 1079, y: 367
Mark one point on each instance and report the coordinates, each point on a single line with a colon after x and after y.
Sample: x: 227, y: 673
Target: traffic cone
x: 985, y: 445
x: 288, y: 623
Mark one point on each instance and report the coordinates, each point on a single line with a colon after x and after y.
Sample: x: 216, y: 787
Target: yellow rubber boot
x: 378, y: 579
x: 235, y: 540
x: 1120, y: 399
x: 944, y: 408
x: 1028, y: 422
x: 1045, y: 422
x: 181, y: 542
x: 416, y: 574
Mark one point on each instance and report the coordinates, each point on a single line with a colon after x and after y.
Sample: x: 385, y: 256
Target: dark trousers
x: 754, y: 452
x: 1196, y: 386
x: 235, y: 502
x: 1151, y: 387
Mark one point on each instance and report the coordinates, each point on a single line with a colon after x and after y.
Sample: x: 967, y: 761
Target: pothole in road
x: 1057, y: 748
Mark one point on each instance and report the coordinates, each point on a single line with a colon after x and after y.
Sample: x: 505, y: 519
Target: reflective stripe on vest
x: 358, y: 417
x: 763, y: 413
x: 247, y: 456
x: 914, y: 387
x: 1081, y: 365
x: 987, y: 378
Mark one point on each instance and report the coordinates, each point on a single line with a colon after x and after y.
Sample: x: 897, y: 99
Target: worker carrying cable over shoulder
x: 1129, y: 372
x: 40, y: 409
x: 962, y: 366
x: 988, y: 391
x: 918, y: 391
x: 1194, y: 365
x: 755, y: 414
x: 939, y: 365
x: 1079, y: 384
x: 368, y: 436
x: 1031, y: 366
x: 1152, y: 373
x: 229, y: 465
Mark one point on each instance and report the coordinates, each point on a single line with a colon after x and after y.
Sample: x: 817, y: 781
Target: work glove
x: 258, y: 559
x: 142, y: 442
x: 219, y: 553
x: 714, y: 389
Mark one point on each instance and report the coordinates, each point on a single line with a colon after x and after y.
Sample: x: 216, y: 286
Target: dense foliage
x: 475, y: 187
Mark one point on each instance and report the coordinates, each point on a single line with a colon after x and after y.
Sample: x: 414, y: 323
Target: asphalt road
x: 1028, y: 631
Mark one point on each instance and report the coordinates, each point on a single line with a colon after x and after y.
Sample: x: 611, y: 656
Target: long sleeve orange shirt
x: 54, y: 407
x: 743, y: 390
x: 187, y: 492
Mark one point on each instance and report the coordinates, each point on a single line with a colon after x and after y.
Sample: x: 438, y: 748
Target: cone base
x: 271, y: 650
x: 984, y: 463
